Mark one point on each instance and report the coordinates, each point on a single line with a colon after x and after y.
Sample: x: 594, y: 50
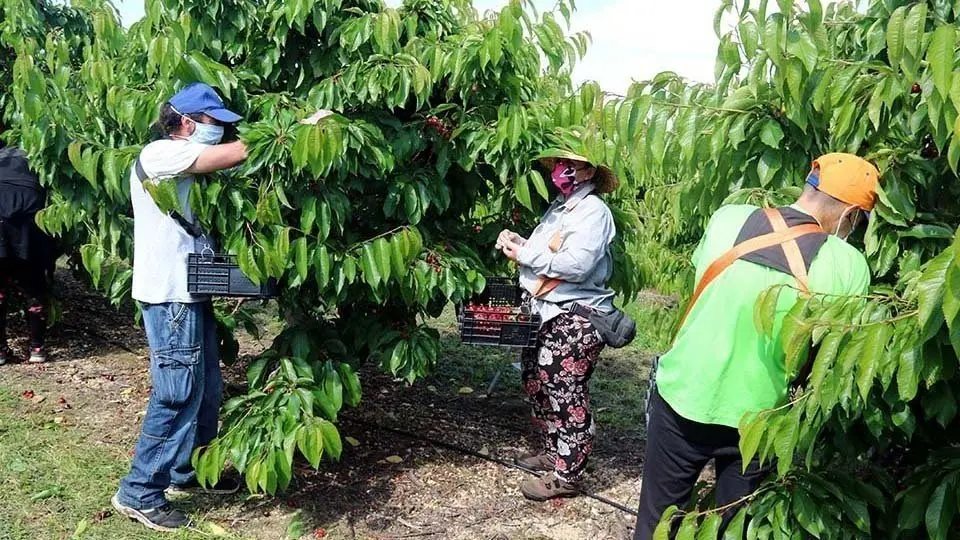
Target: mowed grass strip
x: 56, y: 482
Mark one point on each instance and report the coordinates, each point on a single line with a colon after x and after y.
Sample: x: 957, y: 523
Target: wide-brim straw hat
x: 604, y: 179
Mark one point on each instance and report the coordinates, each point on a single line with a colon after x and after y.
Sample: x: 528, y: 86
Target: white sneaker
x: 38, y: 355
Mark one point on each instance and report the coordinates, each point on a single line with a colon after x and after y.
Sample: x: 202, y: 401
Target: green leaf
x: 710, y: 527
x: 382, y: 250
x: 331, y: 439
x: 308, y: 215
x: 688, y: 527
x: 369, y: 266
x: 800, y: 44
x: 787, y: 436
x: 751, y: 431
x: 537, y: 180
x: 662, y: 532
x: 522, y: 189
x: 772, y: 32
x: 871, y: 356
x: 301, y: 257
x: 765, y: 310
x: 913, y: 28
x: 875, y: 108
x: 749, y: 37
x: 908, y: 374
x: 398, y: 257
x: 927, y: 231
x: 895, y: 35
x: 164, y: 193
x: 324, y: 221
x: 735, y: 528
x: 930, y: 289
x: 767, y: 167
x: 322, y: 263
x: 771, y: 134
x: 940, y: 58
x: 942, y: 508
x: 310, y: 442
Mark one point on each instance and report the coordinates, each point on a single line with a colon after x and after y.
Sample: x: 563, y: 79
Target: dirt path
x: 98, y: 387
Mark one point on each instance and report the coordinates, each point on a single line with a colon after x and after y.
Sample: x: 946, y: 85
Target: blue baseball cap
x: 201, y: 98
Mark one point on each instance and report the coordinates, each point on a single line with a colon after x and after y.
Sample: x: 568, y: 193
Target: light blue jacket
x: 583, y: 262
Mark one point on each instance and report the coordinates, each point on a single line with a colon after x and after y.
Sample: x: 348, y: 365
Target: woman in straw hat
x: 565, y: 266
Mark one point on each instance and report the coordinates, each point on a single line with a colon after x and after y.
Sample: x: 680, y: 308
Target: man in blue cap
x: 181, y: 330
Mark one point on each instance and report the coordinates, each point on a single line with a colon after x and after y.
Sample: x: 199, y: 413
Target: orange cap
x: 847, y: 178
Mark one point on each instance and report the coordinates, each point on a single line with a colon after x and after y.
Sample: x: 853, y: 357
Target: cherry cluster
x: 929, y: 150
x: 492, y: 316
x: 434, y: 261
x: 440, y: 127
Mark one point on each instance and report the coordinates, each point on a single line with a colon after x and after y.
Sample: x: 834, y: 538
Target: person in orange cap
x: 720, y: 366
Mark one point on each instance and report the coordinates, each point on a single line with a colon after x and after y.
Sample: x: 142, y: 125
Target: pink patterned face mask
x: 564, y: 177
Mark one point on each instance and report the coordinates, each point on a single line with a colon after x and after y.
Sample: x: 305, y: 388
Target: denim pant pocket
x: 174, y: 375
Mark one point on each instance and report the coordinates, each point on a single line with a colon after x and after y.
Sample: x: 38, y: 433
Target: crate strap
x: 547, y: 285
x: 192, y: 229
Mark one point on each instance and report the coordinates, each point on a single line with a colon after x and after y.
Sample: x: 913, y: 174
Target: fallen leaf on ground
x: 82, y: 528
x: 394, y: 459
x: 212, y: 528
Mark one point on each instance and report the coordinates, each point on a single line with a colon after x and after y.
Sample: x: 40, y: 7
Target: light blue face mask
x: 203, y: 133
x: 206, y: 134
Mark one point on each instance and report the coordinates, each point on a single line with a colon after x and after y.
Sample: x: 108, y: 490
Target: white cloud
x: 636, y: 39
x: 632, y: 39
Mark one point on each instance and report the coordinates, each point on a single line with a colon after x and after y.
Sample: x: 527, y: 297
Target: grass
x: 56, y: 482
x: 618, y: 387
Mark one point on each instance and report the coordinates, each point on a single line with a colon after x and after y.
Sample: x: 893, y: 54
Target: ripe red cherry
x: 915, y: 89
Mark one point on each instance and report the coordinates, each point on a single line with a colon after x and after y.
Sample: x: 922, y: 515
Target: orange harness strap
x: 783, y: 236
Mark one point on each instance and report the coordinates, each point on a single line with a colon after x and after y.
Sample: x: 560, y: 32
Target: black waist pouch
x: 616, y: 328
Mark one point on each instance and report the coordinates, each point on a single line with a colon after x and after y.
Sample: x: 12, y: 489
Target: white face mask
x: 202, y: 133
x: 853, y: 225
x: 206, y: 133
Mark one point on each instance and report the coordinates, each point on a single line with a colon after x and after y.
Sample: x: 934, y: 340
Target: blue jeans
x: 184, y: 403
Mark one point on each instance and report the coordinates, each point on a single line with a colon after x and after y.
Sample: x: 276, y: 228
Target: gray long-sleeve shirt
x: 583, y: 263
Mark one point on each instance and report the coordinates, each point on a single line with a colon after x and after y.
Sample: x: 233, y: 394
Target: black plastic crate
x: 520, y: 332
x: 220, y: 275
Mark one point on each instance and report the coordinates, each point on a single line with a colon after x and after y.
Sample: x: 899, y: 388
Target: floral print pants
x: 555, y: 376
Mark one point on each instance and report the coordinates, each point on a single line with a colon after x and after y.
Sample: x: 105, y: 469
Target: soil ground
x: 67, y: 429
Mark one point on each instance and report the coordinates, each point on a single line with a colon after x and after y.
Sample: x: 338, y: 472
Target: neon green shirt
x: 720, y: 366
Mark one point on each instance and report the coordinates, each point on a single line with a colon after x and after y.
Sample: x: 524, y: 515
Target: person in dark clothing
x: 25, y: 251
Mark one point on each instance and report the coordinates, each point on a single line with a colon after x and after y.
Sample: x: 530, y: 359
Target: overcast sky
x: 632, y: 39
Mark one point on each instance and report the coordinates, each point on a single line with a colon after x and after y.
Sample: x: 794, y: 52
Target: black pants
x: 29, y: 280
x: 677, y: 451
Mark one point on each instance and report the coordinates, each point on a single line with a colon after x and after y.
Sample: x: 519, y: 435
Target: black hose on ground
x: 484, y: 457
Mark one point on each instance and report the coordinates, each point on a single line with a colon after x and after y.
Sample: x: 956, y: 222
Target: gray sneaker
x: 164, y: 519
